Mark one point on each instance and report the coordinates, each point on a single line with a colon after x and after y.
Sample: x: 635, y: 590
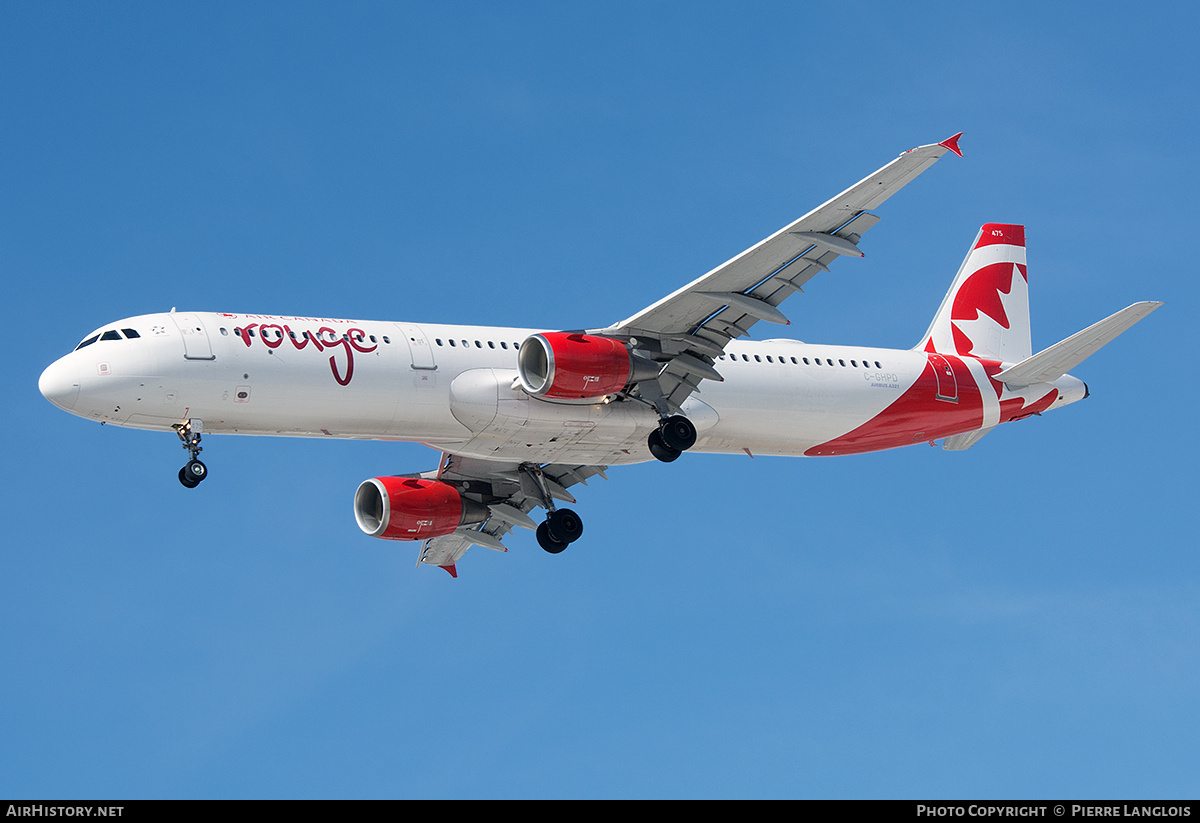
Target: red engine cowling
x: 405, y: 508
x: 575, y: 366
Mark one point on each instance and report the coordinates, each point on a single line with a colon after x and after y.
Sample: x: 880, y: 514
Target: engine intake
x: 575, y: 366
x: 406, y: 508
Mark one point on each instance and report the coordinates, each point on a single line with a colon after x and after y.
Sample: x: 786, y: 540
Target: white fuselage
x: 454, y: 388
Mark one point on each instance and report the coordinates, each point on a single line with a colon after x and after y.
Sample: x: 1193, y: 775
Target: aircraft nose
x: 59, y: 384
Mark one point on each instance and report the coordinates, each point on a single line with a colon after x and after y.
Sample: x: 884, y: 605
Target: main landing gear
x: 561, y: 528
x: 673, y: 437
x: 195, y: 471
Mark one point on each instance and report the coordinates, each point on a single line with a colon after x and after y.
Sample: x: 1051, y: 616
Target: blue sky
x: 1019, y: 620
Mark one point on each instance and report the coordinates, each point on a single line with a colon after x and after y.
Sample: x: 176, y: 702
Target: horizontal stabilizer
x: 964, y: 441
x: 1050, y: 364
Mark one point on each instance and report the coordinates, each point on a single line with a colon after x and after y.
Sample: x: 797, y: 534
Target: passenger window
x: 827, y: 360
x: 842, y: 362
x: 453, y: 344
x: 491, y: 344
x: 503, y: 345
x: 877, y: 365
x: 436, y: 340
x: 805, y: 359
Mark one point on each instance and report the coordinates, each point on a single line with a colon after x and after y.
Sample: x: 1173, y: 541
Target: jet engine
x: 566, y: 365
x: 406, y: 508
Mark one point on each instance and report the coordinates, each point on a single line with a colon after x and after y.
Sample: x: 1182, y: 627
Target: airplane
x: 522, y: 415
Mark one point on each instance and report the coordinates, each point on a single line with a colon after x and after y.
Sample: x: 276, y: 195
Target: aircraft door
x: 196, y: 345
x: 418, y: 347
x: 947, y: 383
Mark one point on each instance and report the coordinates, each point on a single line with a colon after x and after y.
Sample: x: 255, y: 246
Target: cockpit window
x: 109, y: 334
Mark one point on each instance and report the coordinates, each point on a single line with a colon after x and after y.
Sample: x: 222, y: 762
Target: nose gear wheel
x: 195, y: 471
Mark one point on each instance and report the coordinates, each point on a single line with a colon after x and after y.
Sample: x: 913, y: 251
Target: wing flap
x: 510, y: 491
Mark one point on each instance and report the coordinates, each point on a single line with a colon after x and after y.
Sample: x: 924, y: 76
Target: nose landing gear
x: 195, y: 471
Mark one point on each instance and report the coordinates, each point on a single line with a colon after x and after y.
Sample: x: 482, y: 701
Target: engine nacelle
x: 406, y: 508
x: 575, y: 366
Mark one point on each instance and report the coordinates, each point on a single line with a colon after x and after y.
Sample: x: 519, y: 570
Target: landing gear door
x: 196, y: 345
x: 418, y: 347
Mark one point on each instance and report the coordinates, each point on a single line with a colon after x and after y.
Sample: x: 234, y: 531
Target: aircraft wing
x: 685, y: 332
x: 509, y: 490
x: 691, y: 327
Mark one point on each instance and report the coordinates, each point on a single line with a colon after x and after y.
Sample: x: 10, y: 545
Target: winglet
x: 453, y: 571
x: 952, y: 144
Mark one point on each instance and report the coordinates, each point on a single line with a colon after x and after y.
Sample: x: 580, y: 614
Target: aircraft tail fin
x: 986, y: 312
x: 1050, y: 364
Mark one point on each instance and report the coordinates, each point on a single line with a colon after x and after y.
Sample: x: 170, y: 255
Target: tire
x: 677, y: 433
x: 187, y: 482
x: 195, y: 471
x: 547, y: 542
x: 661, y: 451
x: 564, y: 526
